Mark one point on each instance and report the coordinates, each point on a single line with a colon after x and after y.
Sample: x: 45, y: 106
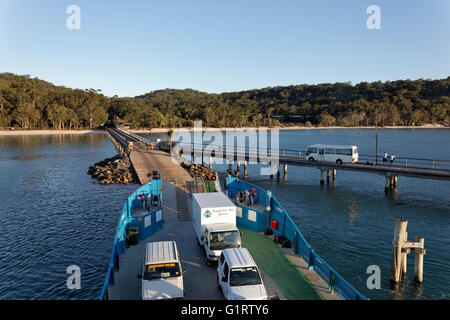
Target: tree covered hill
x: 32, y: 103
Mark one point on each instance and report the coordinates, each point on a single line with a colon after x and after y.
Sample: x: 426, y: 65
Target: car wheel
x: 339, y: 161
x: 311, y: 159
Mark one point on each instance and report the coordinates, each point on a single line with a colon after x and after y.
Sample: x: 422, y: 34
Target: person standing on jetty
x: 392, y: 158
x: 385, y: 158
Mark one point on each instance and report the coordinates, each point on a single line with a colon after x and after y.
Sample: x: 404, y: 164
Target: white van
x: 239, y: 277
x: 162, y: 276
x: 214, y: 222
x: 334, y: 153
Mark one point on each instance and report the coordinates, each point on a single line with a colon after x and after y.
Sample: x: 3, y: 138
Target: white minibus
x: 334, y: 153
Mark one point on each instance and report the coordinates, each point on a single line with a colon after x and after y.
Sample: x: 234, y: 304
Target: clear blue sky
x: 133, y: 47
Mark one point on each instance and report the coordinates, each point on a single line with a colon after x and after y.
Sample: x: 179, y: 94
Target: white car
x: 162, y: 276
x: 239, y: 277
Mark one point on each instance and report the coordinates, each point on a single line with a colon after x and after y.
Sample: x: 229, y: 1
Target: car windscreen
x: 224, y: 240
x: 244, y: 276
x: 161, y: 271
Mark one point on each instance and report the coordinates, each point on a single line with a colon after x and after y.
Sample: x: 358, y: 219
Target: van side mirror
x: 262, y: 275
x: 183, y: 271
x: 139, y: 276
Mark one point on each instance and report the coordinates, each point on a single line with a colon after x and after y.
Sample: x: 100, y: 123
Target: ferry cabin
x: 333, y: 153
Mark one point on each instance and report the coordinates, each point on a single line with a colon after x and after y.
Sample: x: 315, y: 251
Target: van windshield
x: 224, y: 240
x: 244, y: 276
x: 160, y: 271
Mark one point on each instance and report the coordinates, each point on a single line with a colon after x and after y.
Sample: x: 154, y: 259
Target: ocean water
x: 53, y: 215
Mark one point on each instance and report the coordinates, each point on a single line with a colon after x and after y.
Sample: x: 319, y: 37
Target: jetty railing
x: 286, y: 227
x: 153, y: 188
x: 239, y: 152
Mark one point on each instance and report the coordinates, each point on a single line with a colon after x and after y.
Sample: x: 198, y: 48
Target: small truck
x: 214, y: 222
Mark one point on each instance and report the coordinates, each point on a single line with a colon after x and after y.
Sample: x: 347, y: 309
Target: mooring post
x: 245, y: 168
x: 322, y: 180
x: 397, y: 242
x: 334, y: 174
x: 285, y: 172
x: 405, y: 256
x: 418, y: 260
x: 210, y: 162
x: 278, y: 171
x: 328, y: 176
x: 238, y: 168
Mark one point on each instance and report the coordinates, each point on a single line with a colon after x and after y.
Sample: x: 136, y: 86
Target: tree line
x: 28, y: 103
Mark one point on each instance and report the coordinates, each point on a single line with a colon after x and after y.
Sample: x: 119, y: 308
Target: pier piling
x: 285, y: 172
x: 400, y: 250
x: 328, y: 176
x: 245, y: 168
x: 238, y: 168
x: 334, y: 174
x: 322, y: 180
x: 418, y: 260
x: 397, y: 242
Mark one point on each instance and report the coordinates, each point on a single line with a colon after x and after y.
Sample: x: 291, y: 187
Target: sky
x: 129, y: 48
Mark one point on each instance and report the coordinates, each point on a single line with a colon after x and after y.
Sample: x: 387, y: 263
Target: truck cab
x: 218, y: 237
x: 162, y: 276
x: 214, y: 222
x: 238, y: 276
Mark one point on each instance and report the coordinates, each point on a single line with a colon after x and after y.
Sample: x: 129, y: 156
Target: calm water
x: 54, y: 215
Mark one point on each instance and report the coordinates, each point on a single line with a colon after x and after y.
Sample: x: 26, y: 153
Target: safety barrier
x: 148, y: 223
x: 286, y: 227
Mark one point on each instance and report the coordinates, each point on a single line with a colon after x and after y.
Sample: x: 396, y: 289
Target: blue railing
x: 287, y: 228
x: 151, y: 225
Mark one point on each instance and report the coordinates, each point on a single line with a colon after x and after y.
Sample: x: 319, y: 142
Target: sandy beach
x: 165, y: 130
x: 46, y: 132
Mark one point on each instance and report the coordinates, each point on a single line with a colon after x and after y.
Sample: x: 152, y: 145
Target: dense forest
x: 29, y: 103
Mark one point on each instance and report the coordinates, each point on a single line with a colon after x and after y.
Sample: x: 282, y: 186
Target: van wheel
x: 339, y: 162
x: 208, y: 263
x: 311, y: 159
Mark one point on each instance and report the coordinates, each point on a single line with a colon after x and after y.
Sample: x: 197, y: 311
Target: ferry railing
x: 288, y: 229
x: 125, y: 219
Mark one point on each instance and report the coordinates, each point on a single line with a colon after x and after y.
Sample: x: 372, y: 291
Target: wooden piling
x: 418, y: 260
x: 278, y: 172
x: 405, y: 256
x: 322, y: 180
x: 397, y: 242
x: 285, y: 172
x: 386, y: 185
x: 238, y: 168
x: 245, y: 168
x: 328, y: 176
x: 334, y: 174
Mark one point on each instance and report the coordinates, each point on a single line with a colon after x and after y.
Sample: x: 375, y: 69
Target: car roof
x: 161, y: 252
x: 238, y: 257
x: 212, y: 200
x: 331, y: 146
x: 217, y: 227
